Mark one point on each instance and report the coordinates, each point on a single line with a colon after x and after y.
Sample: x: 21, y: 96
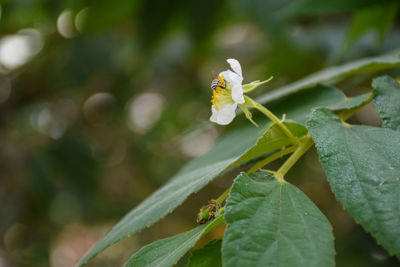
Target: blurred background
x: 102, y: 102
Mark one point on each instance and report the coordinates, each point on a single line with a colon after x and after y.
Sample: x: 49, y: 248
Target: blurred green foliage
x: 112, y: 97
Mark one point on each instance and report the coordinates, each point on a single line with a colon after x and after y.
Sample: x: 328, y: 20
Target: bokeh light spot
x: 70, y: 245
x: 53, y: 119
x: 198, y: 142
x: 14, y: 235
x: 233, y: 35
x: 144, y: 111
x: 18, y: 49
x: 65, y: 24
x: 99, y: 108
x: 50, y: 124
x: 80, y: 20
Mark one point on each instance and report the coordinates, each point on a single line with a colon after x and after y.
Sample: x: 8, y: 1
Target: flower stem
x: 257, y: 166
x: 271, y: 158
x: 224, y: 195
x: 272, y: 117
x: 300, y: 147
x: 305, y: 144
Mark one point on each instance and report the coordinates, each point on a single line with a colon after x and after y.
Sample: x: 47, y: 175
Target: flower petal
x: 232, y: 78
x: 224, y: 115
x: 237, y: 94
x: 236, y: 82
x: 235, y: 65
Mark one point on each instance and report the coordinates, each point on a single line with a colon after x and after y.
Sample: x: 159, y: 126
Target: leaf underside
x: 274, y: 224
x: 363, y: 168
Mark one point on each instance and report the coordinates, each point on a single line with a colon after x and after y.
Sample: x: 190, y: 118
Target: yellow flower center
x: 222, y: 93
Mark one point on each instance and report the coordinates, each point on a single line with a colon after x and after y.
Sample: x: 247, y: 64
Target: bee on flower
x: 227, y: 94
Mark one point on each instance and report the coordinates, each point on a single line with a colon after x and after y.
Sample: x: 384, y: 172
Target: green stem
x: 271, y: 158
x: 272, y: 117
x: 307, y: 142
x: 257, y: 166
x: 224, y: 195
x: 301, y: 149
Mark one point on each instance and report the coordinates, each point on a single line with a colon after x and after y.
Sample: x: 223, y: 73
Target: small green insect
x: 207, y: 212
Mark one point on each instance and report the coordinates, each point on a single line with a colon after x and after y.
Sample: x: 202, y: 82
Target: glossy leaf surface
x: 363, y: 168
x: 274, y: 224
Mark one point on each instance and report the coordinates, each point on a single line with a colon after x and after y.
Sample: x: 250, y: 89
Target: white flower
x: 227, y: 93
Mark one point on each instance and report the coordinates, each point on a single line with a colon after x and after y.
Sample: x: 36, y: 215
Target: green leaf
x: 363, y: 168
x: 351, y: 102
x: 298, y: 106
x: 208, y: 256
x: 386, y: 61
x: 274, y: 224
x: 386, y: 99
x: 378, y: 17
x: 272, y: 139
x: 166, y: 252
x: 194, y: 176
x: 199, y: 172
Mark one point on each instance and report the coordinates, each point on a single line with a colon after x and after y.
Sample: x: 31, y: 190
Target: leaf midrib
x: 311, y: 234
